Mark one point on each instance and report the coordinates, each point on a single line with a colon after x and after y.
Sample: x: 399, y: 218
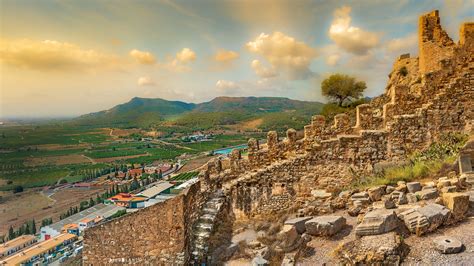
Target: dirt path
x: 90, y: 159
x: 172, y: 144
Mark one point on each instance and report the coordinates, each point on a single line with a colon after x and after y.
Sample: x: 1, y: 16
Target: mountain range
x: 221, y: 111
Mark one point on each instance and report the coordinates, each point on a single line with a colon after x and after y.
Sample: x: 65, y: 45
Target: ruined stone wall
x: 434, y: 43
x: 157, y: 235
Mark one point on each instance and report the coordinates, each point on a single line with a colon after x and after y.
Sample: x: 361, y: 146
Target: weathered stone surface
x: 376, y: 193
x: 377, y: 222
x: 360, y: 199
x: 325, y: 225
x: 436, y: 215
x: 299, y: 223
x: 320, y: 194
x: 411, y: 198
x: 288, y: 235
x: 427, y: 194
x: 413, y: 187
x: 354, y: 210
x: 449, y: 189
x: 465, y: 165
x: 259, y: 261
x: 458, y: 203
x: 447, y: 245
x: 289, y: 260
x: 389, y: 204
x: 402, y: 199
x: 385, y: 249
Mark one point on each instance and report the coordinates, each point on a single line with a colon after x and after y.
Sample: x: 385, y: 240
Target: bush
x: 17, y: 189
x: 403, y: 71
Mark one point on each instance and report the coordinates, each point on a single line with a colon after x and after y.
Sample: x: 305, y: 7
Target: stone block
x: 413, y: 187
x: 411, y: 198
x: 458, y: 203
x: 289, y: 235
x: 325, y: 225
x: 376, y: 193
x: 298, y: 223
x: 465, y: 165
x: 449, y: 189
x: 427, y: 194
x: 320, y: 194
x: 447, y: 245
x: 436, y: 215
x: 360, y: 199
x: 402, y: 199
x: 259, y: 261
x: 377, y: 222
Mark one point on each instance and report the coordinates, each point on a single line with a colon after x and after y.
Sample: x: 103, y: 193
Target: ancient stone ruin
x: 433, y: 95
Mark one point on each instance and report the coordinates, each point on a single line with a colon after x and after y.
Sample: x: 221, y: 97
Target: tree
x: 33, y: 227
x: 11, y: 233
x: 17, y: 189
x: 340, y: 88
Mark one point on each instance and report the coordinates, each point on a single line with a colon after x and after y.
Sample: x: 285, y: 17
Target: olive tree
x: 340, y: 88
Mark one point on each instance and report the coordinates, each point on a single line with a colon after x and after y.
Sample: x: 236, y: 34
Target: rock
x: 354, y: 211
x: 425, y: 219
x: 471, y: 199
x: 376, y: 193
x: 385, y: 249
x: 458, y: 203
x: 401, y: 187
x: 289, y: 260
x: 413, y: 187
x: 288, y: 235
x: 389, y: 204
x: 298, y: 223
x: 439, y: 200
x: 427, y: 194
x: 389, y: 189
x: 254, y: 244
x: 402, y: 199
x: 345, y: 194
x: 411, y: 198
x: 306, y: 237
x: 231, y: 249
x: 449, y: 189
x: 360, y: 199
x: 320, y: 194
x: 325, y: 225
x: 436, y: 215
x: 377, y: 222
x: 259, y: 261
x: 447, y: 245
x: 264, y: 253
x: 442, y: 182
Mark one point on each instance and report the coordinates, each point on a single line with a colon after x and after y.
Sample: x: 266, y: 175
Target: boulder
x: 320, y: 194
x: 458, y: 203
x: 447, y: 245
x: 385, y: 249
x: 259, y: 261
x: 376, y: 193
x: 377, y: 222
x: 288, y: 235
x: 411, y: 198
x: 298, y: 223
x: 427, y: 194
x: 402, y: 199
x: 449, y: 189
x: 413, y: 187
x: 325, y: 225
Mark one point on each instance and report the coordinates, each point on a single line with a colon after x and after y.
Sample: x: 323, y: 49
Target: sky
x: 61, y: 58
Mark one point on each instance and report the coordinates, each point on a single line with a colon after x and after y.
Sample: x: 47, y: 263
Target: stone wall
x: 157, y: 235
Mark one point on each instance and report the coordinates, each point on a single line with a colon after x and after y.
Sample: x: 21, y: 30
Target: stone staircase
x: 205, y: 226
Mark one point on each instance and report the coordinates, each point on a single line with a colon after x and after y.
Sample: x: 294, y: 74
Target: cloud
x: 186, y: 55
x: 351, y: 39
x: 145, y: 81
x: 403, y: 45
x: 53, y: 55
x: 225, y: 56
x: 226, y: 86
x: 333, y: 59
x: 284, y: 53
x: 143, y: 57
x: 262, y: 71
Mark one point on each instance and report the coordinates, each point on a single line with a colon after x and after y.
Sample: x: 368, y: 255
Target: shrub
x: 403, y: 71
x: 17, y: 189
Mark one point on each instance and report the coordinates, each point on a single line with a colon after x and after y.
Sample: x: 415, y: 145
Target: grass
x: 185, y: 176
x: 116, y: 153
x: 34, y: 178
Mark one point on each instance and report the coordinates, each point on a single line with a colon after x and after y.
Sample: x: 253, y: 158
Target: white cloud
x: 407, y: 44
x: 284, y: 53
x: 333, y: 59
x: 350, y: 38
x: 53, y: 55
x: 262, y: 71
x: 186, y: 55
x: 225, y: 56
x: 143, y: 57
x: 145, y: 81
x: 226, y: 86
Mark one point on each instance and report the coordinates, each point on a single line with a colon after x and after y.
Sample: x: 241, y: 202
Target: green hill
x: 221, y: 111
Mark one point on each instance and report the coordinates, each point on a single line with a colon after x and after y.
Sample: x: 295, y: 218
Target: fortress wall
x: 156, y: 235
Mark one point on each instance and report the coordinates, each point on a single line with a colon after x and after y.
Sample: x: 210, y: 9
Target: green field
x: 184, y: 176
